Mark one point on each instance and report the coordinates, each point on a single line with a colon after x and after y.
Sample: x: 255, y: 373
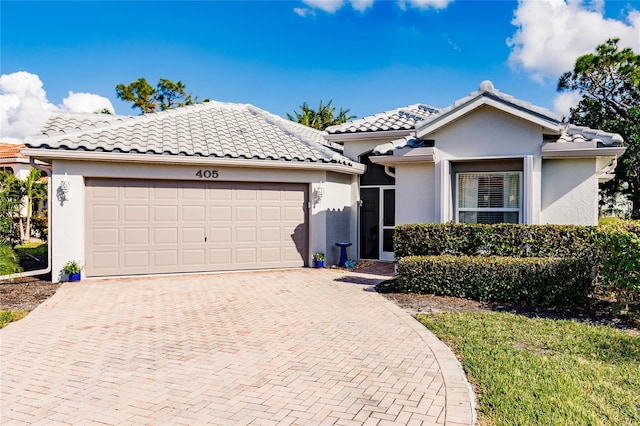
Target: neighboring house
x: 207, y: 187
x: 220, y: 186
x: 488, y: 158
x: 13, y: 161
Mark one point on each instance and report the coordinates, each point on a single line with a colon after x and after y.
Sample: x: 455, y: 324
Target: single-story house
x: 219, y: 186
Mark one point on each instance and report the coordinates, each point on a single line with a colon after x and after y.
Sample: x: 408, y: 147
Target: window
x: 489, y: 197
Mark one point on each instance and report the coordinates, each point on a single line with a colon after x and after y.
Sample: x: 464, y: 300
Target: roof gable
x: 487, y: 95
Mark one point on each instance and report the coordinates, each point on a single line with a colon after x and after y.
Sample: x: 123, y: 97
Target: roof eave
x: 370, y: 136
x: 55, y: 154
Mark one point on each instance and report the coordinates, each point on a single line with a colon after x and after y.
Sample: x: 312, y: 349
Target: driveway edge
x: 460, y: 405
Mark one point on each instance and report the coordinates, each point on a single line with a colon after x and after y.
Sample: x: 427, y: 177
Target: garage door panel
x: 193, y: 213
x: 271, y: 214
x: 136, y: 193
x: 166, y: 193
x: 246, y: 255
x: 165, y: 213
x: 194, y: 257
x: 136, y: 259
x: 105, y: 259
x: 106, y: 236
x: 220, y: 257
x: 246, y: 213
x: 191, y: 226
x: 105, y: 213
x: 138, y: 236
x: 220, y: 235
x: 136, y: 213
x: 246, y: 235
x: 193, y: 235
x: 220, y: 213
x: 165, y: 258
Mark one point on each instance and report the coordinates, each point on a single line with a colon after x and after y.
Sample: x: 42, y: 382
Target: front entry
x: 377, y: 212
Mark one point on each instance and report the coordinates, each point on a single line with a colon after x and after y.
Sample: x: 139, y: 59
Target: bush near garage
x: 527, y: 281
x: 611, y: 252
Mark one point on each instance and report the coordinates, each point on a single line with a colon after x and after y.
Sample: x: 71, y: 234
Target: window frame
x: 518, y: 210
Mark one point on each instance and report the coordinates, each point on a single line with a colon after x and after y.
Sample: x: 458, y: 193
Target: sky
x: 367, y: 56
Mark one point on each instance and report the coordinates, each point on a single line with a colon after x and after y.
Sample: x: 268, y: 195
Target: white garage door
x: 153, y: 226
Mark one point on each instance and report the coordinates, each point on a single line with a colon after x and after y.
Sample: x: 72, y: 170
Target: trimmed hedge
x: 531, y: 281
x: 495, y: 240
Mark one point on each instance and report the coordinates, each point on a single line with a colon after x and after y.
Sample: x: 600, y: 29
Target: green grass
x: 8, y: 260
x: 9, y: 316
x: 544, y: 372
x: 32, y: 248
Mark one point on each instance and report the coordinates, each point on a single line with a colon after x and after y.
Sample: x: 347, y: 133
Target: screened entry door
x: 377, y: 219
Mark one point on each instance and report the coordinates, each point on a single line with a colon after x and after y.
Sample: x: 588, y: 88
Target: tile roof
x: 571, y: 133
x: 404, y: 118
x: 10, y: 150
x: 211, y: 129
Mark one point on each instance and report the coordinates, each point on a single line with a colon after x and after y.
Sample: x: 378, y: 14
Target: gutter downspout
x: 49, y: 212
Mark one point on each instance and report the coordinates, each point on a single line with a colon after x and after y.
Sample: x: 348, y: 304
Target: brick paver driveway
x: 280, y: 347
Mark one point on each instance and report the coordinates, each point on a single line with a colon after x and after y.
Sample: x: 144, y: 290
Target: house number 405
x: 207, y: 174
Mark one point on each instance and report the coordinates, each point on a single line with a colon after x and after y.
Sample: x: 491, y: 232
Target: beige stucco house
x: 221, y: 186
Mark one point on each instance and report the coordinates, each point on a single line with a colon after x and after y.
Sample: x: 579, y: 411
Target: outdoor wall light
x: 65, y: 187
x: 318, y: 193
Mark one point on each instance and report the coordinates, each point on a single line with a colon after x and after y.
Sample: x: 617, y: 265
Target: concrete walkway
x: 304, y: 347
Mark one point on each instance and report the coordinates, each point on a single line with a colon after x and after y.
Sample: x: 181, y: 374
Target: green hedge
x: 530, y: 281
x: 496, y: 240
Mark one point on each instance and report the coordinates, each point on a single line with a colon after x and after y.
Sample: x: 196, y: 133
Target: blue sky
x: 365, y: 55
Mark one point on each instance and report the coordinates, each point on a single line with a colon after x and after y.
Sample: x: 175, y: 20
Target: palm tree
x: 322, y: 118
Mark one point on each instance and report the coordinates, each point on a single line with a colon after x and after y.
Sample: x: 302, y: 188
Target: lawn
x: 533, y: 371
x: 9, y: 316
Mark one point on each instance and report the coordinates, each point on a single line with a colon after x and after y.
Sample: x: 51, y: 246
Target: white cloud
x: 361, y: 5
x: 332, y: 6
x: 564, y: 101
x: 24, y: 107
x: 303, y: 11
x: 329, y: 6
x: 86, y: 102
x: 551, y: 34
x: 424, y: 4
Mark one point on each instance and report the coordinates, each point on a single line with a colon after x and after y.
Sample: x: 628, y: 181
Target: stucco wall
x: 568, y: 192
x: 67, y: 233
x: 487, y: 132
x: 337, y: 206
x: 415, y: 193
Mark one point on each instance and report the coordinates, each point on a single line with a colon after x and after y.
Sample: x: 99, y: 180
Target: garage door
x: 152, y: 226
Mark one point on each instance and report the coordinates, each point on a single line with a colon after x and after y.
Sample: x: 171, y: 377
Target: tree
x: 609, y: 82
x: 322, y: 118
x: 17, y: 199
x: 166, y: 95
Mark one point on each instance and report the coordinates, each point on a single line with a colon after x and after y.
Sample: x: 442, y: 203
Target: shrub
x: 619, y: 272
x: 8, y: 260
x: 531, y: 281
x: 497, y: 240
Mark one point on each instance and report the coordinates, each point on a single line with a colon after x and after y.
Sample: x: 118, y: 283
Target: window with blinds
x: 488, y: 197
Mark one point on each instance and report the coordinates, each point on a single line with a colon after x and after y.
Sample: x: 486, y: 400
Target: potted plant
x: 318, y: 259
x: 72, y: 269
